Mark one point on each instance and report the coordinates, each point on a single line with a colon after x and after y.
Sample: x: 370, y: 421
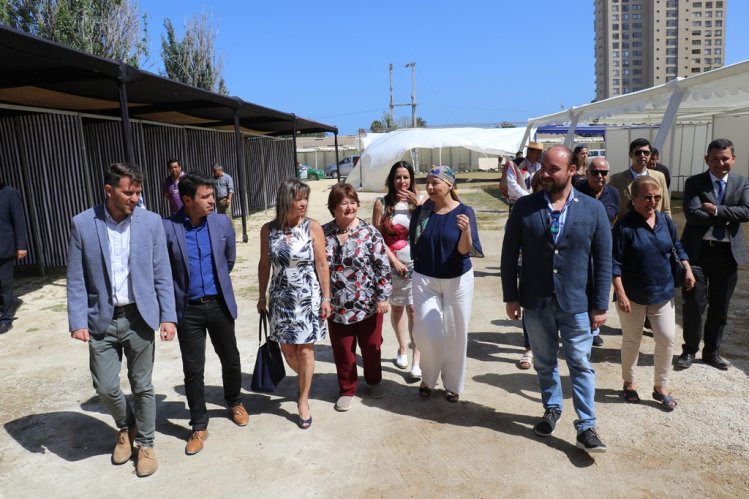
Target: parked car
x: 309, y: 173
x: 345, y: 166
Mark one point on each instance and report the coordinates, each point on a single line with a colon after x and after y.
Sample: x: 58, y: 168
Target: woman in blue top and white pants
x: 443, y: 236
x: 644, y: 286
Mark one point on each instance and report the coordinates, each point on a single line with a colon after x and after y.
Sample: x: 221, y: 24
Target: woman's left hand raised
x: 464, y: 223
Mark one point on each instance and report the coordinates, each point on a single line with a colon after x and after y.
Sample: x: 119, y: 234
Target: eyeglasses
x: 555, y: 222
x: 642, y: 153
x: 595, y: 173
x: 650, y: 197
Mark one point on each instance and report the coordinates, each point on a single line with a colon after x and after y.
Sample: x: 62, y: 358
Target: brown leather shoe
x: 123, y: 448
x: 147, y: 463
x: 195, y: 442
x: 239, y: 415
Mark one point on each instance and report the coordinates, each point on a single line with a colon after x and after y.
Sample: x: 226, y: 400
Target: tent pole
x: 337, y: 170
x: 526, y: 136
x: 126, y: 130
x: 570, y: 137
x: 243, y: 188
x: 669, y: 118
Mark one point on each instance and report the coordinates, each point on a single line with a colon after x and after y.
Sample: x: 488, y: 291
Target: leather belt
x: 711, y: 242
x: 204, y: 299
x: 120, y: 310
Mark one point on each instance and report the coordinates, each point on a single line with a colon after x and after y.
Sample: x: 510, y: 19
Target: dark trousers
x: 343, y: 339
x: 716, y: 275
x: 213, y: 318
x: 6, y: 288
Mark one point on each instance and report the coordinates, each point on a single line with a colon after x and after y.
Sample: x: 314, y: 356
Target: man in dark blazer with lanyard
x: 13, y: 246
x: 202, y: 251
x: 565, y: 238
x: 716, y: 202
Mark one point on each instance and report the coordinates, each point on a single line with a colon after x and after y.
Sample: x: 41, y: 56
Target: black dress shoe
x: 717, y: 362
x: 5, y: 326
x: 685, y: 360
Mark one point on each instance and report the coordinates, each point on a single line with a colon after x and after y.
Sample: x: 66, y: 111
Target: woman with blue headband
x: 443, y: 236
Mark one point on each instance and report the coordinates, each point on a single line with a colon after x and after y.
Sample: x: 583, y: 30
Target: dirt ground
x: 56, y: 439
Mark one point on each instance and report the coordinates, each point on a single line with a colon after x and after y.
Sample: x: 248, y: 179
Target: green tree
x: 506, y: 124
x: 114, y: 29
x: 192, y: 60
x: 388, y: 124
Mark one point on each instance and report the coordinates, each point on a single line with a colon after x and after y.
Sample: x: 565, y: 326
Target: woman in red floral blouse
x: 360, y: 289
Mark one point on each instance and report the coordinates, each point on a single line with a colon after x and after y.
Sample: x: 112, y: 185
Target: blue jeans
x: 577, y: 340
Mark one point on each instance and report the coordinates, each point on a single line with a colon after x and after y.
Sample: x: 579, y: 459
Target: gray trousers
x: 128, y: 334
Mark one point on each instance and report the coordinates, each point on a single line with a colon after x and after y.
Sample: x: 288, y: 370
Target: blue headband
x: 443, y: 172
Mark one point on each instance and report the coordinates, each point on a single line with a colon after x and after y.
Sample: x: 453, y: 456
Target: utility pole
x: 411, y: 65
x: 413, y: 92
x: 391, y: 90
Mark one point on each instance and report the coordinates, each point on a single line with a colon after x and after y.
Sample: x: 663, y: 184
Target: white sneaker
x: 344, y: 403
x: 401, y: 361
x: 416, y: 372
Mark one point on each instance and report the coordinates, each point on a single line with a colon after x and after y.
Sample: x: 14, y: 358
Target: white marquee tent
x: 680, y: 117
x: 377, y: 158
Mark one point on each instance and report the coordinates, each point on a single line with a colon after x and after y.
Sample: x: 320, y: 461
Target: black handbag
x: 269, y: 368
x: 677, y: 269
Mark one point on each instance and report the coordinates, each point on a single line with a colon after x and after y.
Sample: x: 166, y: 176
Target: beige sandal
x: 526, y: 361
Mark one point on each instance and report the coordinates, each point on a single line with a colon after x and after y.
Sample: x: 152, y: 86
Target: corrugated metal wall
x: 65, y: 157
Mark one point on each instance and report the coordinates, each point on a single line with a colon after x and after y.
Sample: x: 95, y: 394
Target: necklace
x: 348, y: 229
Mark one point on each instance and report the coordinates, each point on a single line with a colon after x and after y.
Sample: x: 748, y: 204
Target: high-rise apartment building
x: 642, y: 43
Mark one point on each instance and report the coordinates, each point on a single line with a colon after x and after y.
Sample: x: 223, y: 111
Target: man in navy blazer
x: 13, y: 246
x: 565, y: 239
x: 716, y: 203
x: 119, y: 293
x: 202, y: 250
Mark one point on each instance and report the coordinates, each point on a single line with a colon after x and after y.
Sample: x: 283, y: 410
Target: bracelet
x: 325, y: 299
x: 261, y: 300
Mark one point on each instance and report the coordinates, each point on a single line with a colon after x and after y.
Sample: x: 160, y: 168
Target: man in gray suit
x: 716, y: 203
x: 119, y: 292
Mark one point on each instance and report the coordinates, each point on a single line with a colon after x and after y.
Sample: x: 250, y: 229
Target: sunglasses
x: 651, y: 197
x: 595, y: 173
x: 555, y: 222
x: 642, y: 153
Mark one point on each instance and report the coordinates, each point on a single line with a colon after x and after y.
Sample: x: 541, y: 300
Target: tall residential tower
x: 643, y: 43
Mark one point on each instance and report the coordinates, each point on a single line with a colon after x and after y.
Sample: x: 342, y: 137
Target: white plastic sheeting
x: 380, y: 155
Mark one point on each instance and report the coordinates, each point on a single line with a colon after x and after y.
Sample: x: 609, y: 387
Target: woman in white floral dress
x: 299, y: 295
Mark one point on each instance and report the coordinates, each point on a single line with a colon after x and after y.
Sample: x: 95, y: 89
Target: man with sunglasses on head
x: 639, y: 156
x: 716, y: 203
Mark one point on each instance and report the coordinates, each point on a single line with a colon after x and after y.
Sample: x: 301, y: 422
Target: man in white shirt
x: 119, y: 292
x: 519, y: 177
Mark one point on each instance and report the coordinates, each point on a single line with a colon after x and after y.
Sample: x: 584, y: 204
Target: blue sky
x: 477, y: 62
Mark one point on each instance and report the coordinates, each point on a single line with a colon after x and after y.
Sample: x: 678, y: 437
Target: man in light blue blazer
x: 202, y: 250
x: 119, y: 292
x: 565, y: 239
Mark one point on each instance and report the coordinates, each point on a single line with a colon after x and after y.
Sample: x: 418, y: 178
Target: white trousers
x: 442, y: 310
x: 663, y: 322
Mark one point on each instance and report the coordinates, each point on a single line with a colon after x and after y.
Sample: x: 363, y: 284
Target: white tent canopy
x: 698, y: 98
x: 379, y: 156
